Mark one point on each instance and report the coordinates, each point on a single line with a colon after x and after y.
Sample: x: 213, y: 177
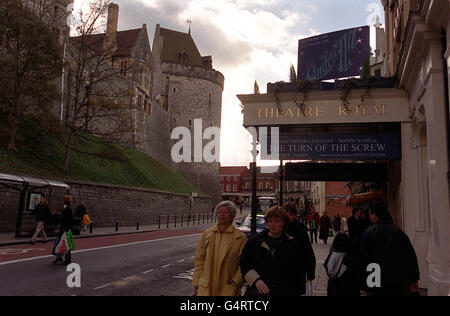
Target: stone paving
x: 320, y: 283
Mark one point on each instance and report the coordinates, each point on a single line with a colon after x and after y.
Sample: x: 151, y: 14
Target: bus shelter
x: 31, y: 190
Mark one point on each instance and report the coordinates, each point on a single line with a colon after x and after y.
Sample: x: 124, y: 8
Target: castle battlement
x: 197, y: 72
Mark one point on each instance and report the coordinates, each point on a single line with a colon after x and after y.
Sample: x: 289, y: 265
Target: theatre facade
x: 393, y: 130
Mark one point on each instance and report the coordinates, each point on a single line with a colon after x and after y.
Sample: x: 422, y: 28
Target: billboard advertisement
x: 334, y: 55
x: 339, y: 147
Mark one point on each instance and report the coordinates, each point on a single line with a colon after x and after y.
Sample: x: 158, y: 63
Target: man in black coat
x: 299, y: 231
x: 355, y: 229
x: 389, y: 247
x: 43, y: 214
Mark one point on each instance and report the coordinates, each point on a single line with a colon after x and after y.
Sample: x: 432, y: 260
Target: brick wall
x: 338, y: 204
x: 107, y: 204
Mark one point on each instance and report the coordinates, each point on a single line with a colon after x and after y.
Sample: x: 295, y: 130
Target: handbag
x: 61, y: 248
x: 70, y: 240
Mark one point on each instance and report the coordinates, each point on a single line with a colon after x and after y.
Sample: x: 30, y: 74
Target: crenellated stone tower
x: 188, y: 88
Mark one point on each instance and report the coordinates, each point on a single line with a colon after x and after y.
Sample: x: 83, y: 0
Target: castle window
x: 183, y: 58
x: 190, y: 123
x: 123, y: 68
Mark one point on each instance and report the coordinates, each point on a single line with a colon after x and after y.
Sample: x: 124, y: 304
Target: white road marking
x: 100, y: 248
x: 147, y: 272
x: 13, y: 251
x: 189, y: 275
x: 182, y: 260
x: 102, y: 287
x: 167, y: 265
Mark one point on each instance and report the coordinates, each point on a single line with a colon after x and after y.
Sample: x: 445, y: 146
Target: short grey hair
x: 230, y: 205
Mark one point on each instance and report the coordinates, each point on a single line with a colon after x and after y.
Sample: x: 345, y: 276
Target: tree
x: 30, y: 62
x: 293, y: 74
x: 365, y: 72
x: 99, y: 98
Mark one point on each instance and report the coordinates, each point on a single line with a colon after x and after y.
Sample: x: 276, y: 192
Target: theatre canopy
x: 326, y: 107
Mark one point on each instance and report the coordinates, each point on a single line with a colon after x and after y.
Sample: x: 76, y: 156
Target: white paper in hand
x: 309, y: 289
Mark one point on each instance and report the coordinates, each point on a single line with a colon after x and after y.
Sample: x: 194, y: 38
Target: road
x: 150, y: 264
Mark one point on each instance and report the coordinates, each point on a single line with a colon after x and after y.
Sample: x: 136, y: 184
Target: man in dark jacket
x: 325, y: 226
x: 299, y: 231
x: 355, y: 229
x: 388, y: 246
x: 43, y: 214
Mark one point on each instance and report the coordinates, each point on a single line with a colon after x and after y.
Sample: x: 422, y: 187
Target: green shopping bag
x: 331, y: 233
x: 70, y: 240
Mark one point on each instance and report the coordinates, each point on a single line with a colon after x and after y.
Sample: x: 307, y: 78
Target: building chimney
x: 110, y: 44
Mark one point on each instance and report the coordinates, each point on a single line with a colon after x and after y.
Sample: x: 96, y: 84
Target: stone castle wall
x: 107, y: 204
x: 157, y: 135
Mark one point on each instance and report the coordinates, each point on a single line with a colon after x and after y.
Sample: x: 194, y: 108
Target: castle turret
x: 190, y: 89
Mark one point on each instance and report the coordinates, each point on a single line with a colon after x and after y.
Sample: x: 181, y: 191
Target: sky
x: 248, y: 40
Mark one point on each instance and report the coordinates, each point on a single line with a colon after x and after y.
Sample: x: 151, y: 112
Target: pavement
x: 8, y: 239
x: 321, y: 251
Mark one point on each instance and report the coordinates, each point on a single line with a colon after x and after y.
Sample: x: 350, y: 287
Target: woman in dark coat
x: 325, y: 226
x: 66, y: 222
x: 342, y: 268
x: 272, y: 262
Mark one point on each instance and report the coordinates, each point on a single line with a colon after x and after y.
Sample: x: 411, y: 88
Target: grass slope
x: 42, y: 154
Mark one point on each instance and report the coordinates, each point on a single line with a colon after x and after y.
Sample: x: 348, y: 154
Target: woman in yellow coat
x: 217, y: 271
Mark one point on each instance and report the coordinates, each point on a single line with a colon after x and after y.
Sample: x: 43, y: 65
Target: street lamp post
x: 281, y: 182
x: 254, y: 153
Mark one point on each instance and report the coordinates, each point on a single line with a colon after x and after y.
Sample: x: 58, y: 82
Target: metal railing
x: 183, y: 220
x: 170, y: 221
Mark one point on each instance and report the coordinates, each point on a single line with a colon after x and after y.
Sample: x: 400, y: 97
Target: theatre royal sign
x: 325, y: 107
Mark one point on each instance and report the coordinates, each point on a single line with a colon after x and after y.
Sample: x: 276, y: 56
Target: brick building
x: 268, y: 185
x: 331, y: 197
x: 265, y: 184
x: 231, y: 182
